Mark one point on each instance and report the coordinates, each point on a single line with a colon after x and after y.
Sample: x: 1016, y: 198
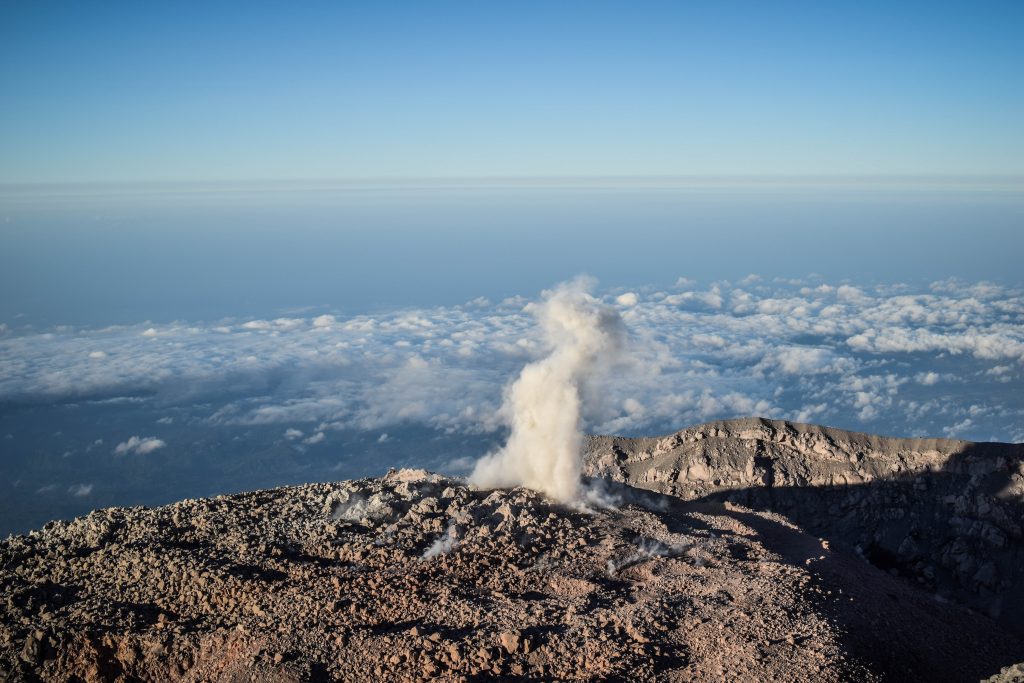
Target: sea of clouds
x: 939, y: 360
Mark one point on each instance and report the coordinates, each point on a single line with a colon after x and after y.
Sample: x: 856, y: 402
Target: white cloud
x: 80, y: 490
x: 633, y: 407
x: 959, y: 430
x: 711, y: 298
x: 867, y: 401
x: 809, y: 413
x: 315, y: 439
x: 627, y: 299
x: 851, y: 295
x: 138, y: 445
x: 461, y: 465
x: 291, y: 434
x: 798, y: 360
x: 773, y: 348
x: 733, y: 404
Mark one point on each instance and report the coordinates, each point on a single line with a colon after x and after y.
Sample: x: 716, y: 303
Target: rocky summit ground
x: 692, y: 570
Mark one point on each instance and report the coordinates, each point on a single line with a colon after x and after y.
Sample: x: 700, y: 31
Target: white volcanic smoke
x: 543, y: 406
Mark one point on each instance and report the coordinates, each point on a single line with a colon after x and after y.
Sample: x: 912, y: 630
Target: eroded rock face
x: 413, y: 576
x: 947, y: 514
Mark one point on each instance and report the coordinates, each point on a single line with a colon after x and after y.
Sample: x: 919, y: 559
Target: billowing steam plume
x: 543, y: 406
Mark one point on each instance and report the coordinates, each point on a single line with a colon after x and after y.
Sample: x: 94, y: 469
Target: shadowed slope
x: 945, y: 514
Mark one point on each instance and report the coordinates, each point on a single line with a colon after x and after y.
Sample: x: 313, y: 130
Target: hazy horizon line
x: 998, y: 182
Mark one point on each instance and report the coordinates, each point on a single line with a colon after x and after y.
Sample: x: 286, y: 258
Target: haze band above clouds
x: 942, y: 360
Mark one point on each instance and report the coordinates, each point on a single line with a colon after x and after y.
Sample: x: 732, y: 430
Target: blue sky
x: 201, y: 333
x: 233, y: 91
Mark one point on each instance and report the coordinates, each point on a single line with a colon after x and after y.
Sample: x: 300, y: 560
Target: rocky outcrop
x: 946, y: 514
x: 414, y: 576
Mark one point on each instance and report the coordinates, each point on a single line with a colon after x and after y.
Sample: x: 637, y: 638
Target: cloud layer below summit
x: 946, y: 360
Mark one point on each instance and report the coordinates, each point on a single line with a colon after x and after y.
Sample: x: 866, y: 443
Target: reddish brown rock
x: 335, y: 581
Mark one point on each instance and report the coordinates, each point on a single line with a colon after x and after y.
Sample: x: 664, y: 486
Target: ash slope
x: 414, y: 576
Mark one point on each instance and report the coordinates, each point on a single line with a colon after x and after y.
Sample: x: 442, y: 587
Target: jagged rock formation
x: 1009, y: 674
x: 947, y: 514
x: 416, y: 577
